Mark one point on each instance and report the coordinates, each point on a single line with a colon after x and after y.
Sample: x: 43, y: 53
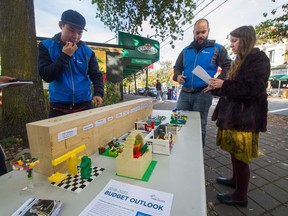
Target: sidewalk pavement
x: 268, y: 187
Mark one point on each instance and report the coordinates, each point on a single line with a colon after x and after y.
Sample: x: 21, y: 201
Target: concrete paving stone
x: 224, y: 158
x: 251, y: 186
x: 212, y: 154
x: 276, y: 192
x: 224, y: 171
x: 263, y: 199
x: 277, y: 171
x: 266, y: 149
x: 213, y: 163
x: 223, y: 189
x: 272, y: 160
x: 253, y: 209
x: 258, y: 181
x: 266, y: 214
x: 225, y: 162
x: 262, y: 161
x: 211, y: 194
x: 278, y: 155
x: 210, y: 173
x: 283, y: 152
x: 282, y: 183
x: 266, y: 174
x: 254, y: 166
x: 281, y: 211
x: 282, y: 165
x: 224, y: 210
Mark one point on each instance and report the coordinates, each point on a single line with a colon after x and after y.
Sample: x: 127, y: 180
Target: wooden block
x: 51, y: 138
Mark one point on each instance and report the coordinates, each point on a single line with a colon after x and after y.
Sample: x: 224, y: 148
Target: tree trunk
x: 135, y: 84
x: 18, y: 50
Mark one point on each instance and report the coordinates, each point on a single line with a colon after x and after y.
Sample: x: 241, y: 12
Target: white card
x: 202, y: 74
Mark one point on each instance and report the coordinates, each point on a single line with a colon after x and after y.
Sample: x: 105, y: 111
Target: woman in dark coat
x: 241, y: 112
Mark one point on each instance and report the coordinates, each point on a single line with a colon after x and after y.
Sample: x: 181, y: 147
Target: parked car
x: 152, y: 92
x: 141, y: 91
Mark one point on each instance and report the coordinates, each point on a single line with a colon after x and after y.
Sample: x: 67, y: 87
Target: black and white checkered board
x: 75, y: 183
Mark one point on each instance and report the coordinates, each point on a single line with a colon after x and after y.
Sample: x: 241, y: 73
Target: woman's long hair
x: 247, y: 42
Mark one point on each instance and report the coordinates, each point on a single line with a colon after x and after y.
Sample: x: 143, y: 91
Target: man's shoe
x: 226, y: 181
x: 227, y: 199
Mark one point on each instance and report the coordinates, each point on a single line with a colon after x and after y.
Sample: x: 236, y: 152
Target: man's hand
x: 97, y: 101
x: 181, y: 79
x: 69, y: 48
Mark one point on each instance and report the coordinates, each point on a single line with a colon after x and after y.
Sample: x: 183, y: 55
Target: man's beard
x: 199, y: 46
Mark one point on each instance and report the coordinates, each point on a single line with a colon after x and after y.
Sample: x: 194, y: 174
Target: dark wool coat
x: 243, y: 102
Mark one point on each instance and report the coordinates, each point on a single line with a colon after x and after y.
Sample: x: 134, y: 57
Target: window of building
x: 271, y: 55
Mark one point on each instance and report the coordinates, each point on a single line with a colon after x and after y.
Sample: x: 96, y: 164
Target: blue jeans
x: 158, y: 96
x: 200, y: 102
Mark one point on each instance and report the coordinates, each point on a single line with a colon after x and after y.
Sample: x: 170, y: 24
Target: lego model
x: 158, y: 119
x: 72, y: 163
x: 85, y: 166
x: 161, y: 139
x: 150, y: 123
x: 115, y: 147
x: 28, y: 166
x: 101, y: 150
x: 135, y: 158
x: 78, y: 177
x: 177, y: 118
x: 77, y: 184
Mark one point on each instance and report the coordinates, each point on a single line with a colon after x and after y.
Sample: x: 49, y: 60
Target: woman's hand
x: 216, y: 83
x: 208, y: 88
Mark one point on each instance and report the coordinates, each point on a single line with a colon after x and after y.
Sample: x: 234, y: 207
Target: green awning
x: 146, y: 51
x: 276, y: 77
x: 285, y: 77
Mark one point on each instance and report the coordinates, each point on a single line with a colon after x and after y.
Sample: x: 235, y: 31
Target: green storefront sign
x: 141, y: 61
x: 146, y: 51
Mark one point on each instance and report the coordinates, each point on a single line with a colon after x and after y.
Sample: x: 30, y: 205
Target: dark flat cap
x: 73, y: 18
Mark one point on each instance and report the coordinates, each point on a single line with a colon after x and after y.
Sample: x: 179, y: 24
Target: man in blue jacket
x: 209, y: 55
x: 70, y: 67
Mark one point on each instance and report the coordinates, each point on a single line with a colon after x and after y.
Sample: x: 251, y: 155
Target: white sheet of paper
x: 202, y: 74
x: 118, y: 198
x: 3, y: 85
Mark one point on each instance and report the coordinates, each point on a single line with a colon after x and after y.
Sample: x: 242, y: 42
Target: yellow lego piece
x: 57, y: 177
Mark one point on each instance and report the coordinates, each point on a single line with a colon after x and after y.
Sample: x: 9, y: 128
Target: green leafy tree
x: 165, y: 17
x: 163, y: 74
x: 18, y: 51
x: 275, y: 29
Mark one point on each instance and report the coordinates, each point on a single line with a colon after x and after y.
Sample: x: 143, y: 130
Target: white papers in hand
x: 202, y: 74
x: 18, y: 83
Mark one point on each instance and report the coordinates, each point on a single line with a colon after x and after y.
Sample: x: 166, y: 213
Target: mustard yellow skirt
x: 243, y: 145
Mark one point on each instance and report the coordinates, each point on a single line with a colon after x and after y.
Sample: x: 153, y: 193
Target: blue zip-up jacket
x: 209, y: 58
x: 69, y: 77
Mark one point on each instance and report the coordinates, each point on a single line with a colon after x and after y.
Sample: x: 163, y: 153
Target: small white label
x: 100, y: 122
x: 135, y: 109
x: 67, y: 134
x: 119, y: 115
x: 87, y: 127
x: 110, y: 118
x: 125, y: 113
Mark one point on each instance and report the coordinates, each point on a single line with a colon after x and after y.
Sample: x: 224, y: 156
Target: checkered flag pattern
x: 75, y: 183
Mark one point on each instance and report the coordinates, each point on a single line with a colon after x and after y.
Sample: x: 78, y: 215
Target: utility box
x: 54, y: 137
